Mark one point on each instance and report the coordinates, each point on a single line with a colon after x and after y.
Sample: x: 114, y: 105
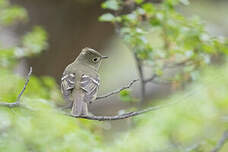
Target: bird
x: 80, y: 81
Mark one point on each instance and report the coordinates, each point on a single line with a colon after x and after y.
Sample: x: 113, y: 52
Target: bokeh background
x: 73, y: 24
x: 70, y: 26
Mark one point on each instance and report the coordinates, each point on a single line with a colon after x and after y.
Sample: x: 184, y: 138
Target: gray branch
x: 150, y: 79
x: 117, y: 91
x: 10, y: 105
x: 17, y: 102
x: 167, y: 66
x: 125, y: 115
x: 141, y: 76
x: 221, y: 142
x: 99, y: 118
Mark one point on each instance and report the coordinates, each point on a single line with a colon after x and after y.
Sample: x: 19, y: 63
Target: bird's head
x: 90, y: 57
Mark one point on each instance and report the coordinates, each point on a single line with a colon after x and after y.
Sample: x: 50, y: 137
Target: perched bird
x: 80, y: 80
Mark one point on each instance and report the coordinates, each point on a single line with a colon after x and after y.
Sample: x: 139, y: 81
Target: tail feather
x: 79, y: 105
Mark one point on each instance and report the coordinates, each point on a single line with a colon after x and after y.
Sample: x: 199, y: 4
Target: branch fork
x: 17, y: 103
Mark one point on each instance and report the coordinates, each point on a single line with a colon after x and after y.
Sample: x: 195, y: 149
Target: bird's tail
x: 79, y: 105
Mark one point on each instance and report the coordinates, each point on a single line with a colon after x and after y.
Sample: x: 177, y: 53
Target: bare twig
x: 150, y: 79
x: 25, y: 85
x: 166, y: 66
x: 100, y: 118
x: 69, y: 105
x: 221, y: 142
x: 10, y: 105
x: 135, y: 113
x: 18, y: 103
x: 178, y: 64
x: 125, y: 115
x: 159, y: 82
x: 117, y: 91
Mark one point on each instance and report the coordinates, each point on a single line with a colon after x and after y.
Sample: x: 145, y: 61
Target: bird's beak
x: 104, y: 57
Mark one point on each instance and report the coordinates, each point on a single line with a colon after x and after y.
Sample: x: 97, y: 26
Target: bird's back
x: 86, y: 81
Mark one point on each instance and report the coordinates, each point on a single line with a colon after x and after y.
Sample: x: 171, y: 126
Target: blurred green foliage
x: 11, y: 14
x: 199, y: 117
x: 44, y: 128
x: 126, y: 96
x: 161, y: 36
x: 33, y: 43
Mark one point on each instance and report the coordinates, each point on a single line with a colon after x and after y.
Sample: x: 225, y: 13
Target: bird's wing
x: 67, y: 84
x: 90, y: 85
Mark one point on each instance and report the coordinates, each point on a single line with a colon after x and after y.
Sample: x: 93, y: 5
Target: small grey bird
x: 80, y: 80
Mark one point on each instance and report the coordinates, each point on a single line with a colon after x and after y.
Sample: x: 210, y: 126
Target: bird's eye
x: 95, y: 59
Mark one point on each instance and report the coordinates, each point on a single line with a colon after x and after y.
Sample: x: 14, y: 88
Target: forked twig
x: 117, y: 91
x: 17, y: 102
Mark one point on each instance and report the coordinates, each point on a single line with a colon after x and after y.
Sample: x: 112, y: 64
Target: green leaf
x: 6, y: 53
x: 111, y: 4
x: 12, y: 14
x: 48, y: 81
x: 130, y: 19
x: 185, y: 2
x: 125, y: 96
x: 108, y: 17
x: 138, y: 1
x: 171, y: 3
x: 149, y: 8
x: 155, y: 22
x: 4, y: 4
x: 7, y: 57
x: 35, y: 42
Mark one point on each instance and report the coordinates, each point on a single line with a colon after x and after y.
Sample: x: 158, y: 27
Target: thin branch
x: 160, y: 82
x: 117, y: 91
x: 128, y: 114
x: 150, y: 79
x: 25, y: 85
x: 135, y: 113
x: 221, y: 142
x: 68, y: 106
x: 18, y: 103
x: 154, y: 76
x: 178, y: 64
x: 10, y: 105
x: 99, y: 118
x: 141, y: 75
x: 118, y: 117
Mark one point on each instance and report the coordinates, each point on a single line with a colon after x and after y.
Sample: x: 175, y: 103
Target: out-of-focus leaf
x: 149, y: 8
x: 185, y: 2
x: 125, y: 96
x: 11, y: 15
x: 111, y: 4
x: 4, y: 4
x: 34, y: 42
x: 139, y: 1
x: 108, y: 17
